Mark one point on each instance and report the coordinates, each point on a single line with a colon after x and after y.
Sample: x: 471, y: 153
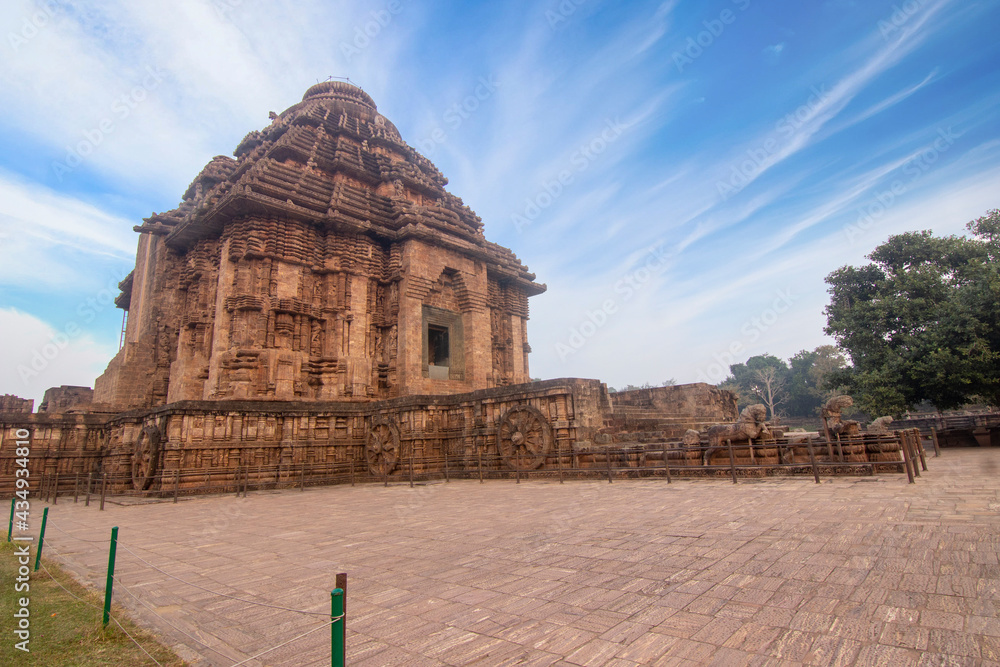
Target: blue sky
x: 682, y: 175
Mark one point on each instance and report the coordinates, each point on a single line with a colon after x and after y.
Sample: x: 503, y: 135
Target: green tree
x: 922, y: 321
x: 762, y: 378
x: 807, y: 380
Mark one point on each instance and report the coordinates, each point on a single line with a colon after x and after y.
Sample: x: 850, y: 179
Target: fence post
x: 90, y: 481
x: 76, y: 488
x: 479, y: 453
x: 666, y: 463
x: 109, y: 585
x: 934, y: 439
x: 41, y: 539
x: 446, y: 464
x: 177, y: 483
x: 904, y: 447
x: 337, y: 644
x: 607, y: 457
x: 559, y: 461
x: 732, y: 458
x: 920, y: 449
x: 10, y: 526
x: 104, y: 488
x: 55, y: 490
x: 812, y: 459
x: 914, y: 457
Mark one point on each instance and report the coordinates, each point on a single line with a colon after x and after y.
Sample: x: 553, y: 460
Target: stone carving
x: 832, y: 422
x: 880, y: 425
x: 750, y: 425
x: 382, y: 446
x: 692, y: 438
x: 524, y: 438
x: 146, y: 457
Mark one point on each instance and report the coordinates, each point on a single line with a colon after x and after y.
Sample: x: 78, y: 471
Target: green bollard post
x: 109, y: 586
x: 10, y: 526
x: 338, y: 645
x: 41, y: 539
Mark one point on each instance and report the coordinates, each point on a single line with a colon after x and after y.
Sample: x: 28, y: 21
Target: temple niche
x: 324, y: 261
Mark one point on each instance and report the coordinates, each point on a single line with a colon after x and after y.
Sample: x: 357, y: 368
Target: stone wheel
x: 146, y: 458
x: 523, y: 438
x: 382, y: 447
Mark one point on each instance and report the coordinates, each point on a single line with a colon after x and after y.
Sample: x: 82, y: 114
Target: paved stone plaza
x: 862, y: 571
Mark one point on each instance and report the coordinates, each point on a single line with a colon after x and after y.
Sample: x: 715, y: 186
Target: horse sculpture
x: 750, y: 425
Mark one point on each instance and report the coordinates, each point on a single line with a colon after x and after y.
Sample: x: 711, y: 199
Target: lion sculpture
x: 750, y: 425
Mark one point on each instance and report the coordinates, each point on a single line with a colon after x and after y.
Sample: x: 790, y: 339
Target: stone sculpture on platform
x: 751, y: 424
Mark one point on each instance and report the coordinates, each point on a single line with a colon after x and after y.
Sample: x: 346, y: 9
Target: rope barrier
x: 78, y: 538
x: 95, y: 606
x: 158, y: 615
x: 124, y: 587
x: 225, y: 595
x: 275, y: 648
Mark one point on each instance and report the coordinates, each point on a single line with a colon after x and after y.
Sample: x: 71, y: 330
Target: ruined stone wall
x: 60, y: 399
x: 15, y: 404
x: 139, y: 374
x: 670, y: 410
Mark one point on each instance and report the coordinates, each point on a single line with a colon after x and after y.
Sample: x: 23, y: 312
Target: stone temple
x: 325, y: 262
x: 321, y: 299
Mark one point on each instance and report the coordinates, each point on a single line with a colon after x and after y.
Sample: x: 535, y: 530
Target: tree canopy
x: 922, y: 321
x: 796, y: 388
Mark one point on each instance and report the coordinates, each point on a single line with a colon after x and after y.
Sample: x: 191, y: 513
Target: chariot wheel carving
x: 146, y: 458
x: 382, y: 446
x: 524, y: 438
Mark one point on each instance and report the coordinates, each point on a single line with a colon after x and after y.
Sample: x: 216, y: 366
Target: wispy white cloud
x: 221, y: 66
x: 40, y: 229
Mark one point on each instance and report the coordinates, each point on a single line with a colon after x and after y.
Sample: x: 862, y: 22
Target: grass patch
x: 66, y: 624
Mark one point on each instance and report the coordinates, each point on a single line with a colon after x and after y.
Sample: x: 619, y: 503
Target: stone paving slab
x: 853, y: 571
